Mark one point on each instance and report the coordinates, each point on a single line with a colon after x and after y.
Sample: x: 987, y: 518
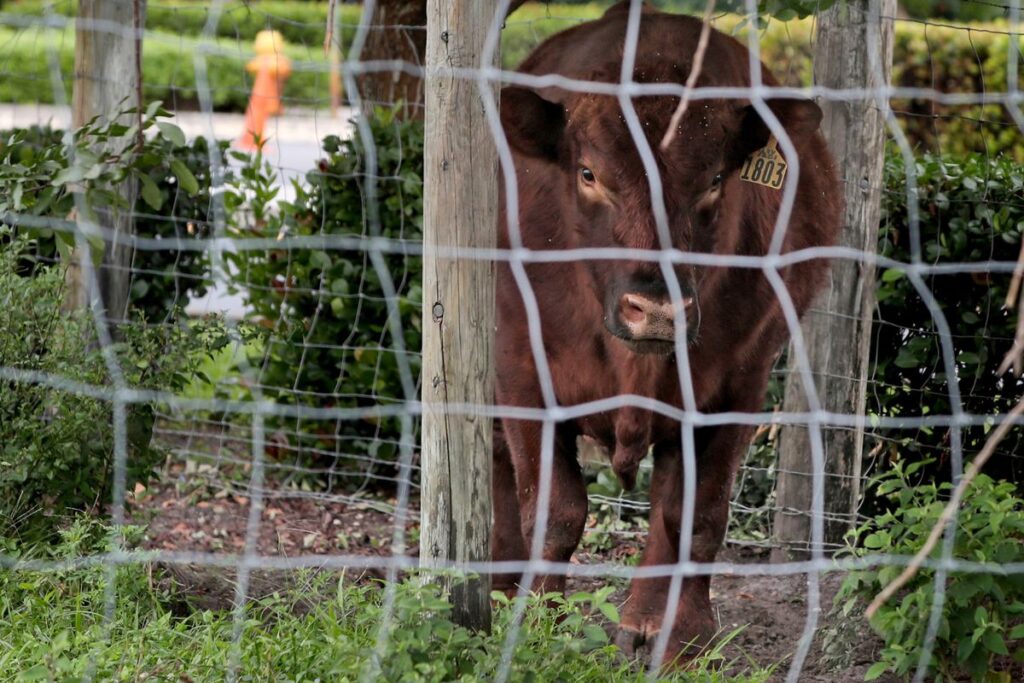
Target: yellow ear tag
x: 765, y: 166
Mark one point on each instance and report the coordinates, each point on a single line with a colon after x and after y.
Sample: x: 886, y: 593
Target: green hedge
x: 972, y: 210
x: 168, y: 67
x: 165, y: 278
x: 57, y: 446
x: 301, y: 24
x: 325, y: 311
x: 971, y: 59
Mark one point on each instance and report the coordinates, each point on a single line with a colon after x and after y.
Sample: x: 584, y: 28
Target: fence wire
x: 298, y: 446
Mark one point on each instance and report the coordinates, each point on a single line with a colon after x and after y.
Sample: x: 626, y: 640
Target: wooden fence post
x: 837, y: 329
x: 108, y: 53
x: 460, y: 210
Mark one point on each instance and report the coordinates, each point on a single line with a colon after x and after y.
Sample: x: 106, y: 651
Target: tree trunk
x: 460, y: 209
x: 107, y: 79
x: 398, y: 31
x: 853, y: 50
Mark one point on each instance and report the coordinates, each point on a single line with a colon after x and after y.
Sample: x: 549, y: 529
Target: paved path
x: 292, y: 149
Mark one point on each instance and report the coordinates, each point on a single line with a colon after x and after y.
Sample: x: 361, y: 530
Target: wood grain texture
x: 396, y: 32
x: 107, y: 80
x: 853, y: 50
x: 460, y: 210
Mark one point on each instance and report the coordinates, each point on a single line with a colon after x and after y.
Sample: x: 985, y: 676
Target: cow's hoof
x: 637, y: 645
x: 634, y: 643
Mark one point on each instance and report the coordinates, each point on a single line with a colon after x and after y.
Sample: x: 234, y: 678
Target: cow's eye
x: 716, y: 181
x: 587, y: 175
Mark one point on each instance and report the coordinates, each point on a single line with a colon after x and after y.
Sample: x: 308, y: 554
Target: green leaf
x: 995, y: 643
x: 96, y: 247
x: 71, y: 174
x: 36, y: 673
x: 876, y: 670
x: 964, y: 649
x: 610, y: 612
x: 186, y: 180
x: 153, y: 108
x: 320, y: 259
x: 64, y: 249
x: 150, y: 192
x: 172, y: 133
x: 892, y: 275
x: 968, y: 358
x: 595, y: 634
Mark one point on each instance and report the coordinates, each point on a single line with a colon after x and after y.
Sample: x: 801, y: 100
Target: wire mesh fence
x: 263, y: 385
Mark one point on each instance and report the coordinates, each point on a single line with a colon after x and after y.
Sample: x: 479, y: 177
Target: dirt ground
x: 186, y: 517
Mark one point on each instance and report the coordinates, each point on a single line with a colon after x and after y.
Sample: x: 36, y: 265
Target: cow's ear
x: 534, y: 126
x: 799, y: 117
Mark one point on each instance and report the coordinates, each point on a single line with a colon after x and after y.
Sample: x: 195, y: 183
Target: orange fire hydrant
x: 271, y: 67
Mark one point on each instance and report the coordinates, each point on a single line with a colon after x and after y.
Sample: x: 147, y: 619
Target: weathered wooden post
x: 108, y: 52
x: 854, y: 46
x: 460, y: 210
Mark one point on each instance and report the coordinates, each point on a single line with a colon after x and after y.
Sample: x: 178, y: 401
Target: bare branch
x: 1015, y: 356
x: 1018, y: 273
x: 332, y: 7
x: 691, y: 80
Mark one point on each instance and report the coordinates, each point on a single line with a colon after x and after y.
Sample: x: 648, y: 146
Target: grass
x: 52, y: 629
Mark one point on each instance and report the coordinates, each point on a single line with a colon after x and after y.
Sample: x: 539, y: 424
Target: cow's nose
x: 647, y: 318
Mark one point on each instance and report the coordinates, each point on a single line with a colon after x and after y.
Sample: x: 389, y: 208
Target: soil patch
x: 772, y: 610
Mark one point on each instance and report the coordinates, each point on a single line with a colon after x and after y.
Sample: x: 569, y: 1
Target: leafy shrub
x: 960, y: 10
x: 982, y: 623
x: 167, y: 208
x: 325, y: 309
x: 971, y: 59
x: 56, y: 443
x: 972, y: 210
x: 168, y: 278
x: 300, y: 23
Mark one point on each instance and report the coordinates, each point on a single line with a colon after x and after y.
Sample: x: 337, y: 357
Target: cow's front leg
x: 507, y: 532
x: 567, y: 505
x: 693, y: 626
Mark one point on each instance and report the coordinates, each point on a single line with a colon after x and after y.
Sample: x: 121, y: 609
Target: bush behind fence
x: 946, y: 58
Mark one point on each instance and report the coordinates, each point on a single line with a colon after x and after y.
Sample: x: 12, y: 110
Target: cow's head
x: 607, y: 196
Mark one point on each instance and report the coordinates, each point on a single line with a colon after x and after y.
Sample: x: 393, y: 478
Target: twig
x: 774, y: 431
x: 332, y: 6
x: 875, y: 451
x: 1018, y: 273
x: 1015, y: 356
x: 947, y: 513
x: 691, y: 80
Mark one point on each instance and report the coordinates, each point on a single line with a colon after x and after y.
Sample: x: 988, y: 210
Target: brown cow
x: 608, y: 325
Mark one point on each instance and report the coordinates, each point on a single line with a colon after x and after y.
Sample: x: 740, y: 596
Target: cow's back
x: 578, y: 51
